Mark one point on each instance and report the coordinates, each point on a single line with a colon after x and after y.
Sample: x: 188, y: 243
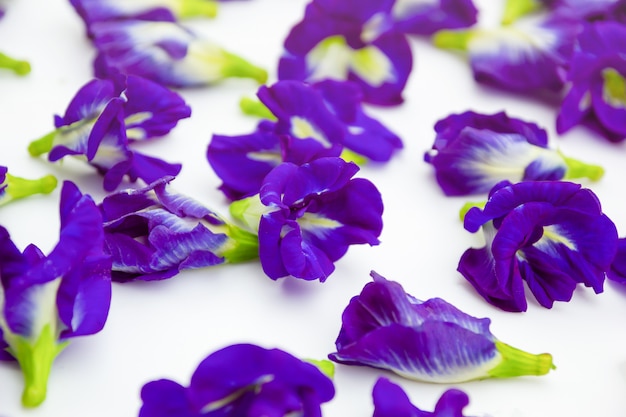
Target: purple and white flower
x: 550, y: 234
x: 472, y: 152
x: 431, y: 341
x: 13, y: 188
x: 242, y: 380
x: 420, y: 17
x: 47, y: 300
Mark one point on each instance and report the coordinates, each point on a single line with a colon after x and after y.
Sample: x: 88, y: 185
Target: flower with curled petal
x: 596, y: 96
x: 431, y: 341
x: 550, y: 234
x: 473, y: 152
x: 13, y: 188
x: 153, y: 233
x: 349, y: 40
x: 242, y: 380
x: 391, y: 401
x: 104, y: 117
x: 47, y: 300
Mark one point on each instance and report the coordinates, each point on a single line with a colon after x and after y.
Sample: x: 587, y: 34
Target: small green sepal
x: 468, y: 206
x: 351, y: 156
x: 19, y: 67
x: 197, y: 8
x: 21, y: 187
x: 578, y: 169
x: 254, y: 107
x: 245, y: 245
x: 514, y: 9
x: 325, y: 366
x: 43, y: 144
x: 516, y: 362
x: 452, y: 39
x: 236, y: 66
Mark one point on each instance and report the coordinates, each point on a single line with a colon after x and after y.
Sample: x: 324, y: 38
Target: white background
x: 164, y: 329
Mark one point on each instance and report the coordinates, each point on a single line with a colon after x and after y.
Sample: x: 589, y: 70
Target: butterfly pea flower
x: 47, y: 300
x: 13, y: 188
x: 307, y: 216
x: 104, y: 118
x: 349, y: 40
x: 390, y: 400
x: 153, y: 233
x: 166, y: 53
x: 472, y: 152
x: 242, y: 380
x: 552, y: 235
x: 578, y: 9
x: 418, y: 17
x: 596, y: 96
x: 617, y: 272
x: 530, y: 55
x: 430, y: 341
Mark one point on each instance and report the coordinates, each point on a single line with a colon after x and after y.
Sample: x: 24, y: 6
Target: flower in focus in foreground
x: 473, y: 152
x: 391, y: 401
x: 550, y: 234
x: 242, y: 380
x: 46, y: 300
x: 307, y: 216
x: 13, y: 188
x: 154, y: 233
x: 596, y: 97
x: 431, y: 341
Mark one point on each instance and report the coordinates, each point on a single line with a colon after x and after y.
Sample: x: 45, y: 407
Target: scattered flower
x: 430, y: 341
x: 153, y: 233
x: 166, y: 53
x: 349, y: 40
x: 391, y: 401
x: 104, y: 117
x: 13, y: 188
x: 596, y: 95
x: 46, y: 300
x: 419, y: 17
x: 473, y: 152
x: 551, y: 234
x: 242, y: 380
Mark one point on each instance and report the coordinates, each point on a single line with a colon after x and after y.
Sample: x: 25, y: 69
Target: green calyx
x: 235, y: 66
x: 325, y: 366
x: 21, y: 187
x: 516, y: 362
x: 197, y: 8
x: 18, y: 66
x: 614, y: 91
x: 468, y: 206
x: 579, y: 169
x: 248, y: 212
x: 351, y: 156
x: 43, y: 144
x: 453, y: 39
x: 244, y: 247
x: 36, y: 362
x: 254, y: 107
x: 514, y: 9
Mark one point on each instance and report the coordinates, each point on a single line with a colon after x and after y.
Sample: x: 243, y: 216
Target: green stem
x: 17, y: 66
x: 516, y: 362
x: 453, y: 39
x: 514, y: 9
x: 254, y: 107
x: 245, y: 245
x: 325, y: 366
x: 579, y: 169
x: 468, y: 206
x: 351, y: 156
x: 197, y: 8
x: 236, y: 66
x: 43, y: 144
x: 18, y: 187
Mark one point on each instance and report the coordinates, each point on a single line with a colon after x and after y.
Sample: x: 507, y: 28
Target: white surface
x: 164, y: 329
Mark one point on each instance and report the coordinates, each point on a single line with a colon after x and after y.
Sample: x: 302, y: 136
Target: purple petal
x: 164, y: 398
x: 425, y: 18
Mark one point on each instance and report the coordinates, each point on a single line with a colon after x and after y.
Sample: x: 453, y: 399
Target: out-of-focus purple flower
x: 432, y: 341
x: 166, y: 53
x: 242, y: 380
x: 349, y: 40
x: 473, y: 152
x: 550, y: 234
x: 46, y: 300
x: 588, y: 10
x: 596, y: 96
x: 617, y: 272
x: 104, y: 117
x: 420, y: 17
x: 390, y: 400
x: 13, y: 188
x: 154, y: 233
x: 310, y: 215
x: 530, y: 55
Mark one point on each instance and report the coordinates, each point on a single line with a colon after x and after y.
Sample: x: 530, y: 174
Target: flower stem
x: 42, y: 145
x: 245, y: 248
x: 351, y: 156
x: 579, y: 169
x: 236, y: 66
x: 253, y: 107
x: 18, y: 187
x: 516, y: 362
x: 17, y: 66
x: 452, y: 39
x: 197, y: 8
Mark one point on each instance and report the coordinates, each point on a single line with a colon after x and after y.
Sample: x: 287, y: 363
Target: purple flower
x: 530, y: 55
x: 391, y: 401
x: 310, y: 215
x: 431, y: 341
x: 617, y: 272
x: 166, y: 53
x: 46, y: 300
x: 589, y: 10
x: 596, y: 96
x: 13, y: 188
x: 420, y: 17
x: 242, y: 380
x: 550, y: 234
x: 104, y: 117
x: 349, y: 40
x: 154, y: 233
x: 473, y: 152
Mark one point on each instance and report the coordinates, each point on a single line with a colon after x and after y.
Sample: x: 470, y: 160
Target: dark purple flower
x: 617, y: 272
x: 550, y: 234
x: 391, y: 401
x: 154, y: 233
x: 432, y: 341
x: 349, y: 40
x: 473, y: 152
x: 104, y: 117
x: 589, y: 10
x: 420, y: 17
x: 596, y: 97
x: 46, y: 300
x: 166, y: 53
x: 242, y: 380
